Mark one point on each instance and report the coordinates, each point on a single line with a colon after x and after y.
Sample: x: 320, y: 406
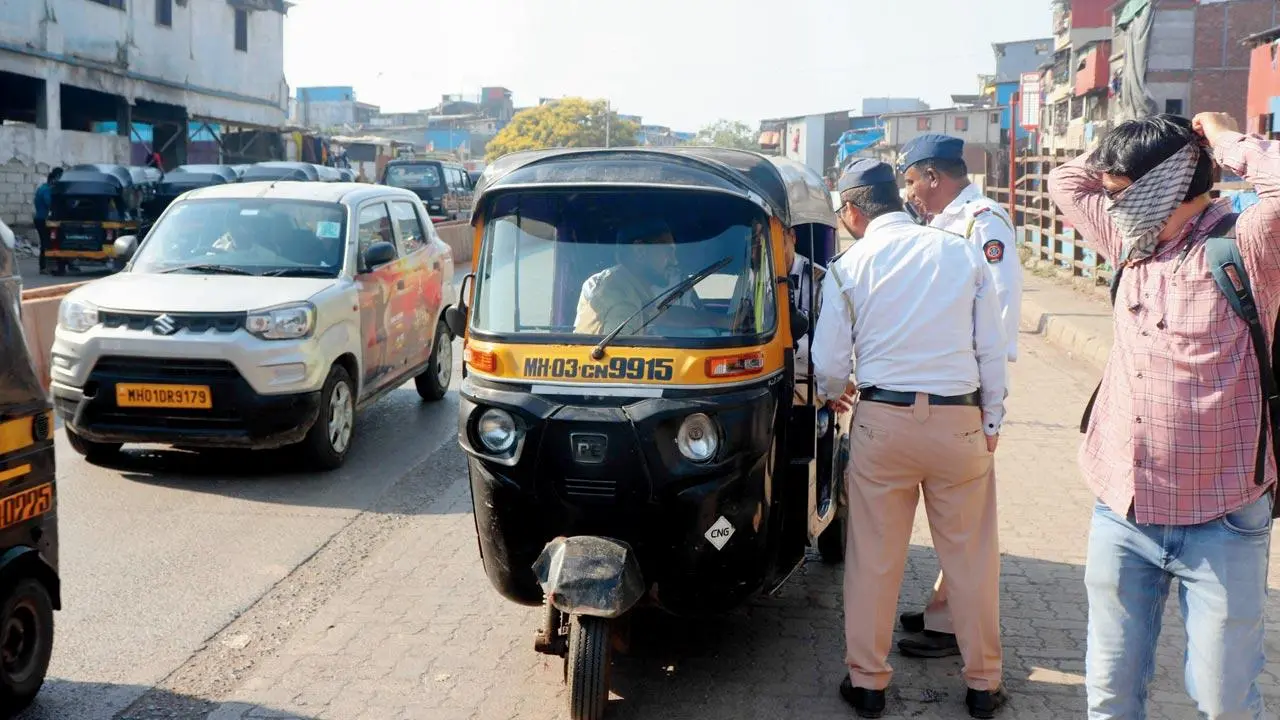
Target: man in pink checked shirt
x: 1171, y: 451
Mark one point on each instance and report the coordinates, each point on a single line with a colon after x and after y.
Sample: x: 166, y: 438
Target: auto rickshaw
x: 627, y: 405
x: 29, y: 587
x: 184, y: 178
x: 285, y: 170
x: 92, y: 206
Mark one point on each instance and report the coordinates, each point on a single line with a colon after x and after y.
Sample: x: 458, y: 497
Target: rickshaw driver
x: 647, y: 266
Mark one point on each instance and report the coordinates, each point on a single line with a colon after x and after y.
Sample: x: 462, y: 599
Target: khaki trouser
x: 895, y: 452
x: 937, y: 615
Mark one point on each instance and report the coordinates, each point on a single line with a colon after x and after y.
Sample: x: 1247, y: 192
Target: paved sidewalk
x: 417, y: 631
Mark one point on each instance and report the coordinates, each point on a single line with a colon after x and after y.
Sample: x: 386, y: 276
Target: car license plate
x: 195, y: 397
x: 28, y: 504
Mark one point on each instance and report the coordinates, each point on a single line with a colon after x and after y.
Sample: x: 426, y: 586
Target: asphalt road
x: 164, y: 548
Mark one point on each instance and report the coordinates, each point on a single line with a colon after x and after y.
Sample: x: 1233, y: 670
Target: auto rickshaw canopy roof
x: 783, y: 190
x: 99, y: 179
x: 185, y: 177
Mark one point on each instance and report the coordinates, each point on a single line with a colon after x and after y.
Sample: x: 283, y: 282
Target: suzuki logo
x: 164, y: 325
x: 588, y: 449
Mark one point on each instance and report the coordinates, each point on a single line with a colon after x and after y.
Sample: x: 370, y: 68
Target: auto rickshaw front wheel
x: 26, y: 642
x: 831, y: 543
x: 587, y: 666
x: 92, y: 450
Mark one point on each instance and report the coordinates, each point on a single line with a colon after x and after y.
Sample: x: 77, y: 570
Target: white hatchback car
x: 257, y: 315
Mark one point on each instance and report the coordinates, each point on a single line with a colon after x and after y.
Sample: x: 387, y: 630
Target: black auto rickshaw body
x: 92, y: 206
x: 654, y: 457
x: 184, y: 178
x: 282, y: 170
x: 29, y: 587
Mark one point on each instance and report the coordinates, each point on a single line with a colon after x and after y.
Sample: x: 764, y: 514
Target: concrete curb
x: 1051, y: 313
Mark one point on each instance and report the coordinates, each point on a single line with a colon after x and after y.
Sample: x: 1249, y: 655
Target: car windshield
x: 407, y: 176
x: 243, y: 236
x: 580, y: 264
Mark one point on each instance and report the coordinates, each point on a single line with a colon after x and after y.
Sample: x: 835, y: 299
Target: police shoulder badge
x: 993, y: 250
x: 981, y: 209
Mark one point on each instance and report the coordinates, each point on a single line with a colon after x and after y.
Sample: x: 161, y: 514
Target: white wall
x: 194, y: 61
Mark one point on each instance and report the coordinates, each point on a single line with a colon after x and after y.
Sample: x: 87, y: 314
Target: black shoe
x: 867, y: 703
x: 985, y: 703
x: 912, y: 622
x: 929, y: 644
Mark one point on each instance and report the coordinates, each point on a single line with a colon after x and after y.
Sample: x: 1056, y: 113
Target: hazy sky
x: 681, y: 63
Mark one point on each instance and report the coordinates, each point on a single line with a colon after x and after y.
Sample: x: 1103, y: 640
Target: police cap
x: 930, y: 147
x: 865, y: 171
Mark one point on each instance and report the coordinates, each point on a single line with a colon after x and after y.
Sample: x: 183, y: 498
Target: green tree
x: 571, y: 122
x: 728, y: 134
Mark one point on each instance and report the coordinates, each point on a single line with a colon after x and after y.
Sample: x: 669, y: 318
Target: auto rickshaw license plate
x: 196, y: 397
x: 25, y: 505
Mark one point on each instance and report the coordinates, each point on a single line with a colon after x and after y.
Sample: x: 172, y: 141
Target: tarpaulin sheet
x: 855, y: 141
x: 1134, y: 100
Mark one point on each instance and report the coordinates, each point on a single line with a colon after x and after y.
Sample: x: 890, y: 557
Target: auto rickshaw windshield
x: 582, y: 263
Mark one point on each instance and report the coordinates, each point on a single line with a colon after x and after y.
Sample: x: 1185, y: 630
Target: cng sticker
x: 719, y: 533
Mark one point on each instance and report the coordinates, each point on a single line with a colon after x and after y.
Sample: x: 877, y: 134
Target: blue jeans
x: 1221, y: 567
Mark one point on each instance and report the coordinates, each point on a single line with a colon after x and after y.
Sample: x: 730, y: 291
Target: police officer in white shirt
x: 937, y: 182
x: 915, y: 309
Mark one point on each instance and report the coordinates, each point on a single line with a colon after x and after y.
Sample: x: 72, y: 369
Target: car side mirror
x: 125, y: 246
x: 379, y: 254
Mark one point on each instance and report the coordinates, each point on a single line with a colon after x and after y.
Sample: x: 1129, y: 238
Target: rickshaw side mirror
x: 455, y: 317
x: 379, y: 254
x: 799, y: 324
x: 125, y: 246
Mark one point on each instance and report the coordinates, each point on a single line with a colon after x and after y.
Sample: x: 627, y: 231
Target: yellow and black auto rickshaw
x: 92, y: 206
x: 629, y: 403
x: 29, y: 586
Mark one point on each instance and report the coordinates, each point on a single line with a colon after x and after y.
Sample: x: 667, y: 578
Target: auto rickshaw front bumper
x: 699, y: 530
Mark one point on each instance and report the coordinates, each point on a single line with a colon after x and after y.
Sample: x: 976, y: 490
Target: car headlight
x: 77, y: 315
x: 288, y: 322
x: 698, y: 438
x: 497, y: 430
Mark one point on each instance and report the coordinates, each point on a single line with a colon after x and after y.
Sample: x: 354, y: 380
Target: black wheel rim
x: 20, y: 640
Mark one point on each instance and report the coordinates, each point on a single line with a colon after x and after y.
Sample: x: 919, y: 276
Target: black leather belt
x: 907, y: 399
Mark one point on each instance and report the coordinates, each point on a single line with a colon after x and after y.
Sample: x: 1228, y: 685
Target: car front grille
x: 164, y: 369
x: 191, y: 322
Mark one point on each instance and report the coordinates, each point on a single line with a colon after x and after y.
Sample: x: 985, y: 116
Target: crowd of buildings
x: 1105, y: 61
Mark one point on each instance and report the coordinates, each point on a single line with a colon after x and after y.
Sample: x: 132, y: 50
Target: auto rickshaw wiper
x: 210, y: 268
x: 663, y: 300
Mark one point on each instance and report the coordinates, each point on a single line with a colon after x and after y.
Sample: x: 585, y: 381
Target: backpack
x: 1227, y: 267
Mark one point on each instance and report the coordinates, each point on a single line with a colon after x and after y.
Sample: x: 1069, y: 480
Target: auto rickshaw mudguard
x: 26, y: 561
x: 589, y: 575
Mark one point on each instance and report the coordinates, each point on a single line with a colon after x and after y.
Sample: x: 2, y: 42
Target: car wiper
x: 211, y: 269
x: 319, y: 272
x: 662, y: 300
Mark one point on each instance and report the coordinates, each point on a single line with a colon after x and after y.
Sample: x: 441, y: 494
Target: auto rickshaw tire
x: 316, y: 448
x: 24, y: 600
x: 430, y: 388
x: 59, y: 268
x: 92, y: 450
x: 832, y: 541
x: 588, y: 665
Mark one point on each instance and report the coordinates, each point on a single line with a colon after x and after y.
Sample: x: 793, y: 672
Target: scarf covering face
x: 1141, y: 210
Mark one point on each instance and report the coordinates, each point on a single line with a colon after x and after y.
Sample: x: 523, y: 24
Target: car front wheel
x: 329, y: 439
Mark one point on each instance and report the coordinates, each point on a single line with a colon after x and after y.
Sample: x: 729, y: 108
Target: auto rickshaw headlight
x: 698, y: 438
x: 824, y: 421
x: 77, y: 315
x: 496, y: 430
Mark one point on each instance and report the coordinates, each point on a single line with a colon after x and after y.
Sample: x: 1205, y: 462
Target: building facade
x: 78, y: 77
